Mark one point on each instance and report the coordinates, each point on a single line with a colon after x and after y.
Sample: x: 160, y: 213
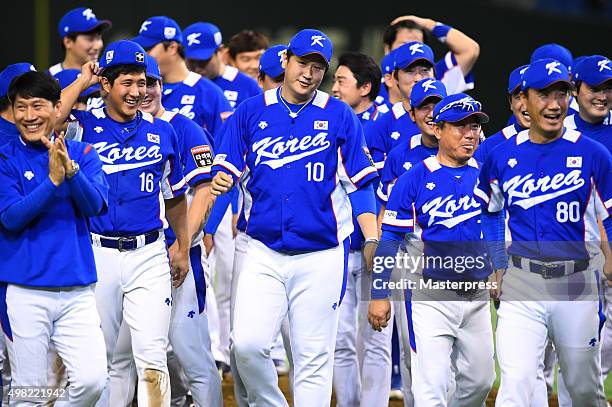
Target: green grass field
x: 607, y: 383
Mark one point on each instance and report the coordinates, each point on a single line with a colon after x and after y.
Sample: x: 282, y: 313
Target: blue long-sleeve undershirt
x: 85, y: 195
x: 363, y: 200
x: 493, y: 229
x: 384, y: 262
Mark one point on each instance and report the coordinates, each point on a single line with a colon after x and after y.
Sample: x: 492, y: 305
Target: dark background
x: 506, y: 30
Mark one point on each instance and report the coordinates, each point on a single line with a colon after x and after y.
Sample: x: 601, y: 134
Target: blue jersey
x: 92, y: 103
x: 367, y: 118
x: 553, y: 193
x: 401, y: 159
x: 236, y: 86
x: 199, y: 99
x: 383, y: 96
x: 387, y: 132
x: 300, y: 169
x: 437, y: 204
x: 141, y: 162
x: 601, y: 132
x: 8, y: 131
x: 53, y: 249
x: 484, y: 149
x: 195, y: 147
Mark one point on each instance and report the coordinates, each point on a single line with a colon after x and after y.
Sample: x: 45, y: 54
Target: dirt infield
x: 230, y: 401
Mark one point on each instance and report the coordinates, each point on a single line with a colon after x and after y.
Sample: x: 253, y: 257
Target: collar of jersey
x: 130, y: 126
x: 568, y: 134
x: 433, y: 164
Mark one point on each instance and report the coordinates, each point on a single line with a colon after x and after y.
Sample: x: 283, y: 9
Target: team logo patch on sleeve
x: 367, y: 153
x: 390, y: 215
x: 574, y: 162
x: 202, y: 156
x: 320, y: 125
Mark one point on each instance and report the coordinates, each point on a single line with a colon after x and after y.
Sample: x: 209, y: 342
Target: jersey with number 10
x: 553, y: 193
x: 300, y: 169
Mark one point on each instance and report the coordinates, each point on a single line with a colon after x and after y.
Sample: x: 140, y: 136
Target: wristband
x: 440, y: 31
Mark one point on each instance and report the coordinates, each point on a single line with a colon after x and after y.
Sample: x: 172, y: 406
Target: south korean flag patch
x: 202, y: 156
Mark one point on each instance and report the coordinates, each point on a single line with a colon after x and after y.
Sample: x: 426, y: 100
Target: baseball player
x: 561, y: 54
x: 271, y: 72
x: 434, y: 202
x: 81, y: 35
x: 592, y: 79
x: 51, y: 187
x: 141, y: 162
x: 313, y: 144
x: 424, y: 96
x: 362, y: 359
x: 204, y: 49
x: 244, y: 50
x: 553, y: 183
x: 189, y: 335
x: 8, y: 129
x: 519, y: 114
x: 185, y: 92
x: 67, y: 76
x: 413, y: 62
x: 389, y: 93
x: 455, y: 69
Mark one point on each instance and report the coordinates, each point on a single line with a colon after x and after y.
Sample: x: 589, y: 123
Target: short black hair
x: 5, y: 103
x: 262, y: 75
x: 247, y: 41
x: 180, y: 48
x: 73, y: 36
x: 34, y: 84
x: 364, y: 69
x: 391, y: 31
x: 114, y: 72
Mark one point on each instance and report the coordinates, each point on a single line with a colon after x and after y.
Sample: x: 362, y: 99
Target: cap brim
x: 593, y: 85
x: 272, y: 72
x: 152, y: 75
x: 145, y: 42
x: 548, y: 85
x: 482, y: 117
x: 105, y: 25
x: 433, y: 95
x: 202, y: 54
x: 412, y: 62
x: 311, y: 53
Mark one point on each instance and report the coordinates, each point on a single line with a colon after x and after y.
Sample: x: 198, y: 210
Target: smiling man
x: 309, y: 146
x: 141, y: 162
x: 51, y: 188
x: 553, y: 184
x: 434, y: 202
x: 81, y: 35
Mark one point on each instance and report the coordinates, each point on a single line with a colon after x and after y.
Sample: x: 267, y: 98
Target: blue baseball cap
x: 201, y: 40
x: 311, y: 41
x: 152, y: 67
x: 457, y: 107
x: 553, y: 51
x: 157, y: 29
x: 81, y: 20
x: 593, y: 70
x: 124, y: 52
x: 426, y: 88
x: 271, y: 61
x: 543, y: 73
x: 514, y: 80
x: 387, y: 65
x: 67, y: 76
x: 411, y: 52
x: 11, y: 72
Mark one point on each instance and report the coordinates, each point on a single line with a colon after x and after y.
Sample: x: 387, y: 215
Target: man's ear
x: 437, y: 131
x: 365, y: 89
x: 285, y: 60
x: 105, y: 84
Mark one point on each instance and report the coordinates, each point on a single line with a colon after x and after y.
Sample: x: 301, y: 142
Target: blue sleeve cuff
x: 363, y: 200
x: 384, y: 262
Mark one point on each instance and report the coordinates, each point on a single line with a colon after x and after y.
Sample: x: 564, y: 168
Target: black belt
x: 551, y: 269
x: 124, y: 244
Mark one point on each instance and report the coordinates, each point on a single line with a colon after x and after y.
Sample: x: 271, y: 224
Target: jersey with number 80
x: 141, y: 163
x: 300, y: 169
x: 553, y: 193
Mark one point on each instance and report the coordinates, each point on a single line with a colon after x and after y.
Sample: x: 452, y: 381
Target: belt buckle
x: 120, y: 244
x: 546, y: 267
